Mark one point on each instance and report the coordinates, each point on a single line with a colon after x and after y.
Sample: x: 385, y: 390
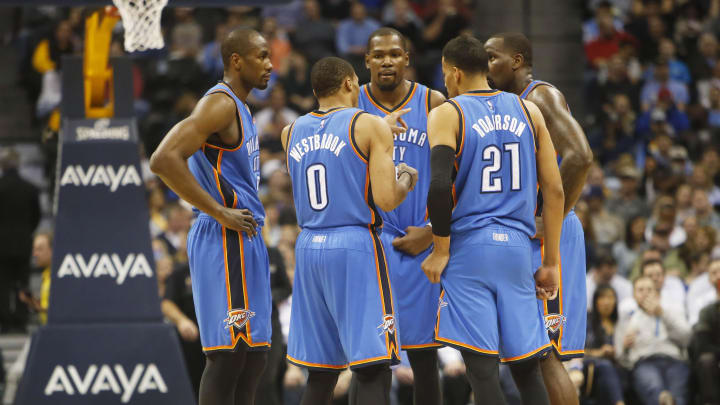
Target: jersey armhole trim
x: 428, y: 101
x: 351, y: 133
x: 229, y: 148
x: 530, y: 121
x: 460, y: 137
x: 287, y: 146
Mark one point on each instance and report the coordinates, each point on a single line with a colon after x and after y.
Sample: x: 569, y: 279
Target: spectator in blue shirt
x: 649, y: 96
x: 678, y: 69
x: 353, y: 33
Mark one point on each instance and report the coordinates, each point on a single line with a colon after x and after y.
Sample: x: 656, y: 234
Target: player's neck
x: 524, y: 78
x: 474, y: 83
x: 390, y: 98
x: 335, y: 101
x: 237, y: 87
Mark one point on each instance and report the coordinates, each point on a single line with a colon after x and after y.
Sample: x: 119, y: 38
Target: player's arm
x: 553, y: 202
x: 443, y: 127
x: 436, y: 99
x: 284, y: 134
x: 417, y: 239
x: 212, y: 114
x: 569, y: 141
x: 374, y: 136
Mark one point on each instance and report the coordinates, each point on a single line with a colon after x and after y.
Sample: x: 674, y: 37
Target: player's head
x: 507, y: 53
x: 246, y: 54
x: 463, y: 59
x: 386, y: 58
x: 332, y: 76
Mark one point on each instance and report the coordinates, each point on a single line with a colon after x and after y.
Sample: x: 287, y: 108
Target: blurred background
x: 641, y: 76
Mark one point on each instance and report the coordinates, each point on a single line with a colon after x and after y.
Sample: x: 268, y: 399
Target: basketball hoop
x: 141, y: 20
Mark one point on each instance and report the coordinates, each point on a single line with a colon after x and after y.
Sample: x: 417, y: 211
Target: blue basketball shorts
x: 416, y: 298
x: 565, y: 317
x: 488, y: 303
x: 231, y: 286
x: 342, y: 305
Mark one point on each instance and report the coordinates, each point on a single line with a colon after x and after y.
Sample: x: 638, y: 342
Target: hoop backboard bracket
x: 73, y: 88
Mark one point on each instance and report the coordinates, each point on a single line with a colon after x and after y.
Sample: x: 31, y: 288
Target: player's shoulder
x: 546, y: 94
x: 435, y: 98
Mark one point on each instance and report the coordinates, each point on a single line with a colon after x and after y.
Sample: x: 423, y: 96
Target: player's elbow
x: 158, y: 162
x: 582, y: 158
x: 554, y: 192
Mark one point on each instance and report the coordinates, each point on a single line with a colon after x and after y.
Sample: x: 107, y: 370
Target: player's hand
x: 454, y: 369
x: 539, y: 228
x: 403, y: 168
x: 546, y: 282
x: 397, y: 125
x: 404, y: 375
x: 240, y: 220
x: 188, y: 330
x: 434, y: 265
x: 608, y: 351
x: 415, y: 241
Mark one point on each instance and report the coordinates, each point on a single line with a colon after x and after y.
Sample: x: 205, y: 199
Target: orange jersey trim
x: 351, y: 137
x: 526, y: 355
x: 423, y: 346
x: 400, y: 107
x: 467, y: 346
x: 241, y: 141
x: 494, y: 93
x: 320, y: 115
x: 308, y: 364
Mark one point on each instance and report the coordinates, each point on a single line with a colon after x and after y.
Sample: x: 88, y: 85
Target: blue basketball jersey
x: 411, y: 147
x: 496, y: 180
x: 330, y: 176
x: 231, y: 173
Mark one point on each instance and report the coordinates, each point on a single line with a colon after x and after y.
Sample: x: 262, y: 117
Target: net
x: 141, y: 21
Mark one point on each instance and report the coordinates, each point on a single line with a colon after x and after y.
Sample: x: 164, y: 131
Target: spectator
x: 663, y: 91
x: 670, y: 288
x: 178, y: 306
x: 19, y: 216
x: 399, y: 15
x: 683, y: 203
x: 608, y: 228
x: 316, y: 39
x: 296, y: 82
x: 699, y: 243
x: 703, y: 209
x: 156, y: 205
x: 605, y: 273
x: 179, y: 221
x: 186, y: 35
x: 652, y: 340
x: 353, y: 33
x: 604, y: 382
x: 664, y: 218
x: 704, y: 292
x: 607, y: 44
x: 706, y: 349
x: 701, y: 179
x: 678, y: 69
x: 627, y: 251
x: 591, y: 30
x: 617, y: 135
x: 42, y: 257
x: 280, y: 46
x: 443, y: 23
x: 627, y: 203
x: 211, y: 58
x: 286, y: 15
x: 271, y: 120
x: 703, y: 59
x: 614, y: 79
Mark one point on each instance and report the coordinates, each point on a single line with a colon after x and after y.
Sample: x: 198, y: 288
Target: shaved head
x: 239, y: 41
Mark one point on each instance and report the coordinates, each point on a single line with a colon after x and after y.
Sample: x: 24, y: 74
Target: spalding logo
x: 553, y: 322
x: 238, y: 318
x: 388, y: 324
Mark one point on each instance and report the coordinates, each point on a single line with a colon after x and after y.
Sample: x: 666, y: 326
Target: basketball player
x: 340, y: 163
x: 497, y: 149
x: 510, y: 65
x: 406, y: 233
x: 211, y: 160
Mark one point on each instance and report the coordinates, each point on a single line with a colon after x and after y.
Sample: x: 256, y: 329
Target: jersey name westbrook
x: 316, y: 142
x: 499, y: 122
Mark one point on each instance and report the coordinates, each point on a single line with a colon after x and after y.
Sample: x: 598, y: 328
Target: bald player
x: 407, y: 234
x: 510, y: 69
x: 211, y: 160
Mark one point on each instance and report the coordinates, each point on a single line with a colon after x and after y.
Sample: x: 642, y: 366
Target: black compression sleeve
x: 439, y: 201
